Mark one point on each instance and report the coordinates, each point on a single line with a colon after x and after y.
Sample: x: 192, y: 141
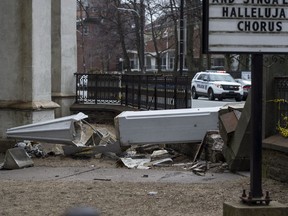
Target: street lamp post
x: 141, y: 52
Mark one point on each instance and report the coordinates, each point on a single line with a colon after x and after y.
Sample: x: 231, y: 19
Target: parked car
x: 215, y: 84
x: 246, y: 85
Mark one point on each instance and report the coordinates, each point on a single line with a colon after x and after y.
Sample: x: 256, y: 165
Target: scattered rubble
x: 142, y: 156
x: 153, y: 155
x: 138, y: 163
x: 79, y: 139
x: 33, y: 150
x: 16, y: 158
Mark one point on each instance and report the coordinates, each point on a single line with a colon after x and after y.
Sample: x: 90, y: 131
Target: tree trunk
x: 123, y: 44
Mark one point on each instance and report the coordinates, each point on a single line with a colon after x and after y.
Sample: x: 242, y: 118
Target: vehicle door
x: 202, y: 83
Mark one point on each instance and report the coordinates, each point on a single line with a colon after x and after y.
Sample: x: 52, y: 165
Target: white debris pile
x: 151, y: 156
x: 33, y: 150
x: 147, y: 156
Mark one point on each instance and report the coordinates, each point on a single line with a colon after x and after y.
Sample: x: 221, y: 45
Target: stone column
x: 64, y: 54
x: 25, y: 59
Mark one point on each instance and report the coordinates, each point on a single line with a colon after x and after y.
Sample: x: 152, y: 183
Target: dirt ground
x: 35, y: 198
x: 113, y: 198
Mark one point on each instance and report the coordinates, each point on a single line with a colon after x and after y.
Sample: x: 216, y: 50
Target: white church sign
x: 245, y: 26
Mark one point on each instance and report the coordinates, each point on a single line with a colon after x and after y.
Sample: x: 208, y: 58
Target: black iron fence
x: 139, y: 91
x: 281, y: 87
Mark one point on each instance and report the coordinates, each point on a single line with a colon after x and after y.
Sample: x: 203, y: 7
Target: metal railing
x: 281, y: 96
x: 98, y: 88
x: 139, y: 91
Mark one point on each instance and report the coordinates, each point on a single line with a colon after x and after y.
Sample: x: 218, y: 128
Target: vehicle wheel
x: 244, y: 98
x: 238, y: 98
x: 211, y: 94
x: 220, y: 98
x: 194, y: 94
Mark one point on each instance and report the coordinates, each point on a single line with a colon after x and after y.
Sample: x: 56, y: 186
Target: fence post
x: 133, y: 89
x: 122, y: 89
x: 155, y: 94
x: 126, y: 95
x: 186, y: 93
x: 139, y: 91
x: 147, y: 92
x: 165, y: 92
x: 96, y: 87
x: 175, y: 92
x: 77, y: 88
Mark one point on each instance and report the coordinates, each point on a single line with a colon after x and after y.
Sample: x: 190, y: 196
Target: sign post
x: 254, y: 27
x: 256, y: 122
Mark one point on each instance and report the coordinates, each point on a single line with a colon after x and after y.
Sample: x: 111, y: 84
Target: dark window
x: 200, y: 77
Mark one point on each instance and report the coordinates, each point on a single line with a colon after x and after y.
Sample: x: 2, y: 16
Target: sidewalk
x: 115, y: 175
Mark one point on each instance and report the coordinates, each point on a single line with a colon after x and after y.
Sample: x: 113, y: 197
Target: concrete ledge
x: 240, y: 209
x: 276, y: 142
x: 101, y: 107
x: 63, y: 95
x: 30, y: 105
x: 100, y: 113
x: 275, y: 158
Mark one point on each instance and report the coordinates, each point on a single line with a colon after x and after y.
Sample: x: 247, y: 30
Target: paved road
x: 204, y: 102
x: 115, y: 175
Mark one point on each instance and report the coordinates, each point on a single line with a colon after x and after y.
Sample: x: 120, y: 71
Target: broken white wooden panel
x: 165, y: 126
x: 65, y: 130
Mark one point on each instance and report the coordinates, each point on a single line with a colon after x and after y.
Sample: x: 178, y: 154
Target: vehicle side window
x: 206, y: 78
x: 200, y: 77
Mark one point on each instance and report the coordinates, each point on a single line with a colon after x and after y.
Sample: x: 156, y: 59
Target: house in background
x: 166, y: 48
x: 97, y: 44
x: 99, y: 49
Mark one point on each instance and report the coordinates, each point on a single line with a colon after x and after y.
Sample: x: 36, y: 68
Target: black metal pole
x: 126, y: 95
x: 139, y: 91
x: 181, y: 45
x: 165, y: 92
x: 256, y: 123
x: 175, y: 92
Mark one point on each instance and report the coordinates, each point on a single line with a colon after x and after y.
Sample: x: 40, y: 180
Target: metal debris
x: 161, y: 162
x: 16, y: 158
x: 152, y: 193
x: 138, y: 163
x: 33, y: 150
x: 159, y: 153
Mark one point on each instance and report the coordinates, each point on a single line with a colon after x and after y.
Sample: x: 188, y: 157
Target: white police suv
x: 215, y: 84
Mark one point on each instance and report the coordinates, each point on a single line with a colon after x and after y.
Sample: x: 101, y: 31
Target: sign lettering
x: 253, y: 21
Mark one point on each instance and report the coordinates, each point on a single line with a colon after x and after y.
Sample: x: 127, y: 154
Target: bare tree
x: 173, y: 5
x: 163, y: 29
x: 135, y: 10
x: 194, y: 23
x: 123, y: 22
x: 122, y: 27
x: 111, y: 33
x: 158, y: 31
